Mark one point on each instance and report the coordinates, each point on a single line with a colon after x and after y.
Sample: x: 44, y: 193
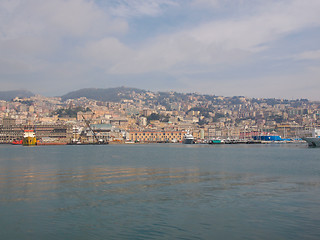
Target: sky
x: 252, y: 48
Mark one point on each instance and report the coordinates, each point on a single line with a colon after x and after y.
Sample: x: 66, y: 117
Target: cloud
x: 308, y: 55
x: 73, y: 18
x: 35, y: 34
x: 72, y: 40
x: 211, y: 3
x: 134, y: 8
x: 222, y: 41
x: 104, y: 52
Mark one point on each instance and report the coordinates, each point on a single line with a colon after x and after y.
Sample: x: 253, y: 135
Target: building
x: 53, y: 132
x: 8, y: 133
x: 57, y: 132
x: 156, y: 136
x: 7, y: 122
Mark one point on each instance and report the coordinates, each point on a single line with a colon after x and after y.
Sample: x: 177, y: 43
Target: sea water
x: 160, y: 191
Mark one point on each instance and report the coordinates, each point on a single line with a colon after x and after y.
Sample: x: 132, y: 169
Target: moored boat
x: 188, y: 138
x: 216, y: 141
x: 50, y: 143
x: 16, y: 142
x: 313, y: 141
x: 29, y: 138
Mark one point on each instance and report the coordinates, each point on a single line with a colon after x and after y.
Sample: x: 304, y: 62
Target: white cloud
x: 221, y: 42
x: 213, y: 3
x: 46, y: 32
x: 64, y: 18
x: 133, y: 8
x: 104, y: 52
x: 70, y: 39
x: 308, y: 55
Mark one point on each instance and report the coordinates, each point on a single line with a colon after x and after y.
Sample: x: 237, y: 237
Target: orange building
x: 156, y: 136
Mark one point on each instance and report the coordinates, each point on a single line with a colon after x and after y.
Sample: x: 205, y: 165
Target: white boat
x: 313, y: 141
x: 188, y: 138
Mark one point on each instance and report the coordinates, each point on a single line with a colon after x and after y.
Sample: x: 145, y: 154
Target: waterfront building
x: 156, y: 136
x: 54, y: 132
x: 8, y: 133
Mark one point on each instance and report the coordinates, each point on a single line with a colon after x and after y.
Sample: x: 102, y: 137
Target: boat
x: 50, y: 143
x: 188, y: 138
x: 29, y: 138
x: 16, y: 142
x: 313, y: 141
x: 216, y: 141
x: 99, y: 142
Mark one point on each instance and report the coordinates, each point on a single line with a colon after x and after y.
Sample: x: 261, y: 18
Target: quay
x: 102, y: 134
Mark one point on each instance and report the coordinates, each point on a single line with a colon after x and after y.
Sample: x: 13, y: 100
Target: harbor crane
x: 88, y: 125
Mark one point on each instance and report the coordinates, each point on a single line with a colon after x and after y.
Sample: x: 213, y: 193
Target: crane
x: 88, y: 125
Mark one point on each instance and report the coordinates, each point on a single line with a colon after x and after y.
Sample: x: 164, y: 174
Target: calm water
x: 168, y: 191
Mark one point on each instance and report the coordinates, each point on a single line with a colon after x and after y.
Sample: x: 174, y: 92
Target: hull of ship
x: 16, y: 142
x: 29, y: 141
x: 312, y: 141
x: 88, y: 143
x: 50, y: 143
x: 216, y: 142
x: 188, y: 141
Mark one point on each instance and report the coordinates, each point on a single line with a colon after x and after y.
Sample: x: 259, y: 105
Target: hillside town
x: 147, y: 117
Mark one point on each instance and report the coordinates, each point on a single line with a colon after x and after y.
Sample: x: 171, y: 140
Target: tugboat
x: 188, y: 138
x: 29, y: 138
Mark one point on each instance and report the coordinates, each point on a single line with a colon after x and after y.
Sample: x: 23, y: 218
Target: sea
x: 160, y: 191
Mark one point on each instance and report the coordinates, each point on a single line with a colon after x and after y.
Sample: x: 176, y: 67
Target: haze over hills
x: 9, y: 95
x: 103, y: 94
x: 120, y: 93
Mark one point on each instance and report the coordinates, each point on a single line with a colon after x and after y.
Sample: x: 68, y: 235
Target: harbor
x: 34, y: 135
x: 160, y: 191
x: 159, y: 120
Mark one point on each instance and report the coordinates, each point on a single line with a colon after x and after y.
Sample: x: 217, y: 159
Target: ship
x: 29, y: 138
x: 216, y: 141
x: 188, y: 138
x: 16, y: 142
x: 313, y: 141
x: 40, y: 143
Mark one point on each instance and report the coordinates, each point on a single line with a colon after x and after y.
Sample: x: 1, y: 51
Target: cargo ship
x: 29, y: 138
x: 313, y: 141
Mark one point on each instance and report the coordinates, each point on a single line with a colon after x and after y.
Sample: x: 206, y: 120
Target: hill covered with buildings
x: 123, y: 111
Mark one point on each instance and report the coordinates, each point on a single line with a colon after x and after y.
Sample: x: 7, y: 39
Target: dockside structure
x: 156, y: 136
x: 60, y: 132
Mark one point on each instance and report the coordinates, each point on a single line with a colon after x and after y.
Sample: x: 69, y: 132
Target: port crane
x: 88, y: 125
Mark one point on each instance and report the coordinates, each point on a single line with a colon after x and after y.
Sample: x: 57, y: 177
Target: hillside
x: 105, y: 95
x: 9, y: 95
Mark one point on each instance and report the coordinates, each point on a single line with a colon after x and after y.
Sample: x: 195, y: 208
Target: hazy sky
x: 253, y: 48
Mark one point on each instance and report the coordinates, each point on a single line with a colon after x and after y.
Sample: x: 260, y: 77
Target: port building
x: 156, y: 136
x: 9, y: 131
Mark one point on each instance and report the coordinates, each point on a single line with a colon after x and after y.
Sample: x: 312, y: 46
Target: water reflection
x: 178, y: 193
x: 29, y: 185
